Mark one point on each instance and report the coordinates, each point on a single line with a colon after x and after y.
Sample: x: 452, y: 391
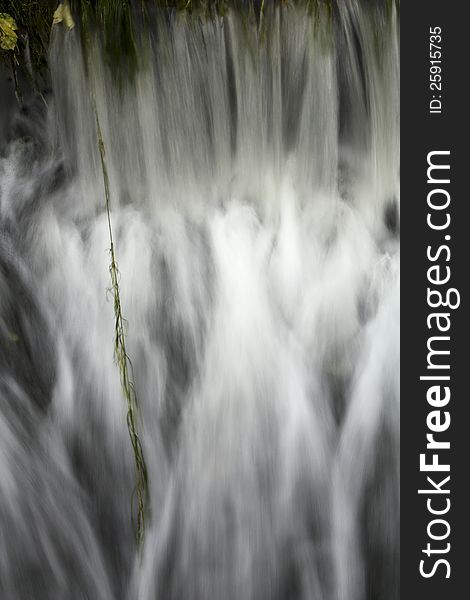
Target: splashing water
x: 254, y: 193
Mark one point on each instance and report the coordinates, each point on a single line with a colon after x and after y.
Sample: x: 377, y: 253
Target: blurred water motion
x: 255, y: 210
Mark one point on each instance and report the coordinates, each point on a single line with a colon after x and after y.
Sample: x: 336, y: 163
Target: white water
x: 251, y: 185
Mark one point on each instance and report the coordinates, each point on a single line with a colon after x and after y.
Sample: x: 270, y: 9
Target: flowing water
x: 254, y: 195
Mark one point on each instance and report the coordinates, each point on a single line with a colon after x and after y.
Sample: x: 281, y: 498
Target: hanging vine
x: 140, y: 495
x: 141, y: 490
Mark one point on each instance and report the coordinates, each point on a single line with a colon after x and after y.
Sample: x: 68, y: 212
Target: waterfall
x: 254, y: 184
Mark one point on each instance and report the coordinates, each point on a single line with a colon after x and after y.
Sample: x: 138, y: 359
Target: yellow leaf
x: 63, y: 15
x: 8, y: 27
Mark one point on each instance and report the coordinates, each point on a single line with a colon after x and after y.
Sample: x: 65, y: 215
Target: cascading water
x: 254, y: 204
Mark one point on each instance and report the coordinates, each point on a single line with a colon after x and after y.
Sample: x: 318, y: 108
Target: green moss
x: 114, y: 21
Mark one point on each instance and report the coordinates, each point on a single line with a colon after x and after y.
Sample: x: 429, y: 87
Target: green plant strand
x: 141, y: 491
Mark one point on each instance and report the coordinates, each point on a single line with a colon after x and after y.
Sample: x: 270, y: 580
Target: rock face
x: 7, y: 101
